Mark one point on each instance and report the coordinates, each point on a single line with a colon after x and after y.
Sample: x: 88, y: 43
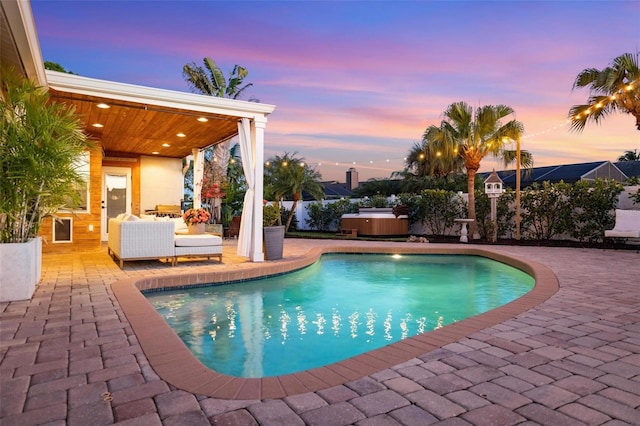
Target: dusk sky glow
x: 359, y: 82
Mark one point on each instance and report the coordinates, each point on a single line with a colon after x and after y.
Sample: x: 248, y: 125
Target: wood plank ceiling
x: 130, y: 128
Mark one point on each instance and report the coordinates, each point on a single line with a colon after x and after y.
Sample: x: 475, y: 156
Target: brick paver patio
x: 69, y: 356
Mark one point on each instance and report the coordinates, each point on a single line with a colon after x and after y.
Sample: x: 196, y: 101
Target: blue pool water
x: 341, y: 306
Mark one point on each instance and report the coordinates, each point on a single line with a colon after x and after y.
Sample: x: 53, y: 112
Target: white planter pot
x: 20, y: 269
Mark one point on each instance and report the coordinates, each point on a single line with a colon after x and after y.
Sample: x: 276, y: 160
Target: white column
x: 258, y: 125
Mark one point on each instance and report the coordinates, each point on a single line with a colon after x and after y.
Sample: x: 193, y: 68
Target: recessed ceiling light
x: 181, y: 135
x: 104, y: 106
x: 166, y: 145
x: 203, y: 119
x: 97, y: 125
x: 155, y: 153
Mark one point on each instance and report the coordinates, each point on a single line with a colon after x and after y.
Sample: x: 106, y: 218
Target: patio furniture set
x: 150, y: 237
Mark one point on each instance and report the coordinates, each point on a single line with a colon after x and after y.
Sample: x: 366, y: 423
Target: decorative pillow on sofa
x: 148, y: 217
x: 179, y: 224
x: 121, y: 216
x: 132, y: 218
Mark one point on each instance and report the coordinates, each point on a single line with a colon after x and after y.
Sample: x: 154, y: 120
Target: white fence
x: 624, y: 202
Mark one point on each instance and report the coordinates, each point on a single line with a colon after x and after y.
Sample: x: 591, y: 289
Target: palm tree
x: 422, y: 162
x: 630, y: 156
x: 471, y: 136
x: 288, y: 176
x: 615, y: 88
x: 209, y: 80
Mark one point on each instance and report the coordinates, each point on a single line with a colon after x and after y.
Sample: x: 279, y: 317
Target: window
x: 62, y: 229
x: 81, y: 203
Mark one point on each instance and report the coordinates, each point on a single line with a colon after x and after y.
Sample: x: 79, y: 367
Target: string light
x: 383, y: 164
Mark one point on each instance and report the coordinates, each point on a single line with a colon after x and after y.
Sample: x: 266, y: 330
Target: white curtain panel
x: 248, y: 165
x: 198, y: 173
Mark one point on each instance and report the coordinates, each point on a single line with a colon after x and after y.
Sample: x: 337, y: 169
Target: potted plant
x: 40, y: 144
x: 273, y: 231
x: 196, y: 220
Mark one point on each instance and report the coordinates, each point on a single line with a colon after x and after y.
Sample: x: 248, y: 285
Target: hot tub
x: 376, y: 222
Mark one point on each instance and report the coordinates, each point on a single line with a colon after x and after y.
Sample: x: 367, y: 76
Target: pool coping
x: 174, y: 363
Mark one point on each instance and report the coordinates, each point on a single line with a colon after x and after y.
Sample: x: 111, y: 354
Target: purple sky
x: 357, y: 83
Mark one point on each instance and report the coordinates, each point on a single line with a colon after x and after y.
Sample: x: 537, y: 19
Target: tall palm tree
x: 615, y: 88
x: 471, y: 136
x: 288, y: 176
x: 210, y: 80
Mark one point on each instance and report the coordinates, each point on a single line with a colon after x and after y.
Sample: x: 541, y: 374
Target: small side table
x: 463, y: 229
x: 214, y: 228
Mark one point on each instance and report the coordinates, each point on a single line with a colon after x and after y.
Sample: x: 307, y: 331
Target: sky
x: 356, y: 83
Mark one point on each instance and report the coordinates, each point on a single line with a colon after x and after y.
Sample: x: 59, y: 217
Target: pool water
x: 341, y: 306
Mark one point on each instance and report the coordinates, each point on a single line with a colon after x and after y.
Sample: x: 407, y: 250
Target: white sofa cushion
x: 197, y: 240
x: 179, y: 224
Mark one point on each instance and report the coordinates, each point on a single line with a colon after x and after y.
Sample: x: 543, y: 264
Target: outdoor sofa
x: 148, y: 237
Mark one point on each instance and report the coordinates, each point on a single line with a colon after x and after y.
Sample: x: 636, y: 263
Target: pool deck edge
x: 174, y: 362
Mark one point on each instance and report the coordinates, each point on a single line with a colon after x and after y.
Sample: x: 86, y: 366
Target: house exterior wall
x: 84, y: 239
x: 161, y: 182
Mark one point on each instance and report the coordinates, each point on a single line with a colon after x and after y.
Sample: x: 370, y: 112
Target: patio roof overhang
x: 148, y: 121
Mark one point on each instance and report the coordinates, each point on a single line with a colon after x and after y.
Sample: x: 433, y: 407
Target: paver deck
x: 70, y: 356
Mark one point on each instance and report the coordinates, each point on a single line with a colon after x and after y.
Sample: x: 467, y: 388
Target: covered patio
x: 141, y: 129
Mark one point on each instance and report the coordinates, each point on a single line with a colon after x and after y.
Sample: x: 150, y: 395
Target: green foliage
x: 593, y: 205
x: 383, y: 187
x: 54, y: 66
x: 271, y: 214
x: 504, y: 213
x: 581, y: 211
x: 412, y: 201
x: 611, y: 89
x: 438, y: 208
x: 287, y: 176
x: 209, y: 79
x: 546, y: 210
x: 635, y: 197
x: 378, y: 201
x: 40, y: 143
x: 327, y: 217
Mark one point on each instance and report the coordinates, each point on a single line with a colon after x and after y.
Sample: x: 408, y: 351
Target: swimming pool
x: 339, y: 307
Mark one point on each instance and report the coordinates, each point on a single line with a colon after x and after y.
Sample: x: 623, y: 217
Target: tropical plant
x: 288, y: 176
x: 422, y: 161
x: 615, y: 88
x: 40, y: 143
x: 630, y: 156
x: 471, y: 136
x: 270, y: 213
x: 210, y: 80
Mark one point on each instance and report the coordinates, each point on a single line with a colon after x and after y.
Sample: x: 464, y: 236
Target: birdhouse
x: 493, y: 185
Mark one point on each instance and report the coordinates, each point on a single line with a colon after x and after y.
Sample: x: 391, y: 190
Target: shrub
x: 593, y: 205
x: 505, y: 213
x: 438, y: 208
x: 546, y: 210
x: 327, y: 218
